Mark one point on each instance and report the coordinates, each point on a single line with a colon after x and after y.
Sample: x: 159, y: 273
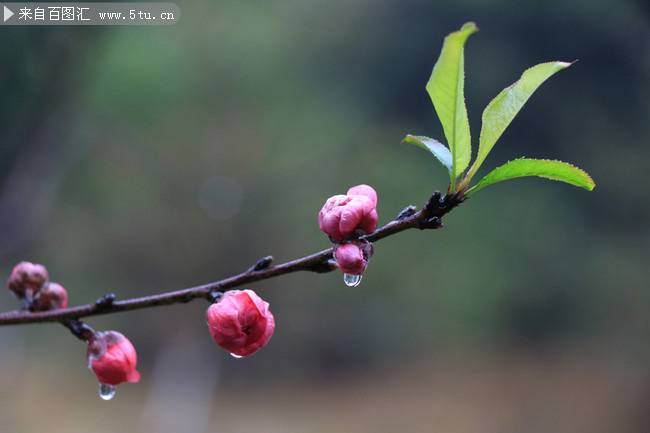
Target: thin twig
x: 79, y: 329
x: 427, y: 218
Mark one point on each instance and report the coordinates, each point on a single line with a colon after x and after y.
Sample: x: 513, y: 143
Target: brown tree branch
x: 427, y: 218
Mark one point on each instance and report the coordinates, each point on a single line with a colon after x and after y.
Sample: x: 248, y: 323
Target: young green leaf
x: 504, y: 107
x: 435, y: 147
x: 446, y: 90
x: 546, y: 168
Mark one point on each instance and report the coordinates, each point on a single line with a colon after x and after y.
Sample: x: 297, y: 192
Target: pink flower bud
x: 112, y: 358
x: 351, y: 258
x: 26, y: 279
x: 51, y: 297
x: 240, y: 322
x: 342, y: 215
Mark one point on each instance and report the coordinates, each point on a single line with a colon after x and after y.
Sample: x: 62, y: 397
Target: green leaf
x: 546, y: 168
x: 504, y: 107
x: 446, y: 90
x: 435, y: 147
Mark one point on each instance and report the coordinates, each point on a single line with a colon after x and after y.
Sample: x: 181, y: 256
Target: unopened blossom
x: 350, y: 258
x: 342, y: 215
x: 240, y: 322
x: 26, y: 279
x: 113, y: 358
x: 50, y: 297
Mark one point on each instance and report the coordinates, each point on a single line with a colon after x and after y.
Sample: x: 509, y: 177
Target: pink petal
x: 365, y: 190
x: 351, y: 217
x: 369, y: 221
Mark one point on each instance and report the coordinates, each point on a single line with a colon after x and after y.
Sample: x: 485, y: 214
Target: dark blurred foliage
x: 137, y: 160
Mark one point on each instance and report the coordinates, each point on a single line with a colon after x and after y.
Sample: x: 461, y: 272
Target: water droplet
x: 351, y: 280
x: 107, y: 392
x: 234, y: 355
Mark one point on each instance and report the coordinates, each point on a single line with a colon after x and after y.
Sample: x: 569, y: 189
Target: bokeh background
x: 138, y: 160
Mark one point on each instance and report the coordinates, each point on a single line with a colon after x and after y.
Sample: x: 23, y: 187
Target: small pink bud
x: 351, y: 258
x: 26, y: 279
x: 112, y: 358
x: 51, y: 297
x: 240, y: 322
x: 342, y: 215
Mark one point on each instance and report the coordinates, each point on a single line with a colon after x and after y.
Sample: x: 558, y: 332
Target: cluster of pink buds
x: 30, y: 283
x: 111, y: 356
x: 344, y: 218
x: 240, y: 322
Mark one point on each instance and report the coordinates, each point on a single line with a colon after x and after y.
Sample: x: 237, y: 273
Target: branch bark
x: 429, y: 217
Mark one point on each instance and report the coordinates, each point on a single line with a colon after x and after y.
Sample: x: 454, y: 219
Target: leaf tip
x: 591, y: 184
x: 469, y: 27
x: 407, y: 139
x: 565, y: 65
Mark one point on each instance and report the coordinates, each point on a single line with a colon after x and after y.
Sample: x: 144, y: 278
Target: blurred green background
x: 138, y: 160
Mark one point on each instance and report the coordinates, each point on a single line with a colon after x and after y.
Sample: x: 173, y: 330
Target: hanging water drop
x: 234, y: 355
x: 107, y: 392
x: 351, y: 280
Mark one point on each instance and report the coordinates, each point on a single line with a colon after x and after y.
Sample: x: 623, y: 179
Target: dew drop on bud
x: 351, y: 280
x: 107, y: 392
x: 234, y: 355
